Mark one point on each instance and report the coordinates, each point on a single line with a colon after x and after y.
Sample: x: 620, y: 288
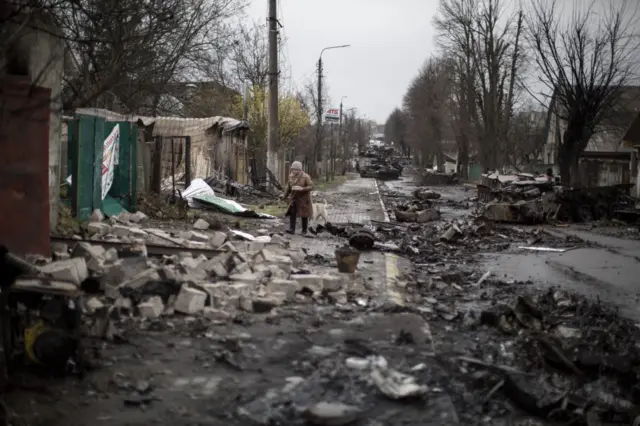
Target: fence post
x: 156, y: 185
x: 187, y: 162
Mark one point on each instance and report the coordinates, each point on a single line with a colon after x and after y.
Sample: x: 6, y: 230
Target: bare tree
x: 426, y: 106
x: 486, y: 58
x: 585, y: 64
x: 121, y: 49
x: 527, y: 137
x: 395, y: 128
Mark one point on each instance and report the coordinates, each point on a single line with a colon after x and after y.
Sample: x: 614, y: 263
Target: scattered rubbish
x: 483, y: 278
x: 197, y: 187
x: 332, y: 414
x: 362, y: 239
x: 396, y: 385
x: 547, y: 249
x: 210, y: 201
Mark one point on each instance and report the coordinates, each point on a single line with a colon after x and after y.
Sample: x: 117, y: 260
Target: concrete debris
x: 73, y: 270
x: 96, y: 216
x: 190, y: 301
x: 151, y: 308
x: 98, y: 229
x: 201, y: 225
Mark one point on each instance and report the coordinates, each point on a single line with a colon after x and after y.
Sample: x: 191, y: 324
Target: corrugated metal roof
x: 179, y: 126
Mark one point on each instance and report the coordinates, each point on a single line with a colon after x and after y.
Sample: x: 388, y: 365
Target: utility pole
x: 319, y: 144
x: 245, y: 101
x: 344, y: 154
x: 319, y: 118
x: 272, y: 137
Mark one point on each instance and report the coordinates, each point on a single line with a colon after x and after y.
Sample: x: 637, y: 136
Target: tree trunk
x: 463, y: 157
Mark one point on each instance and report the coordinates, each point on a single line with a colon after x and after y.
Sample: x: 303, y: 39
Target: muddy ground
x: 482, y: 348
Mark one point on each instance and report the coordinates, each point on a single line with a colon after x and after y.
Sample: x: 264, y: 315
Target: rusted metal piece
x: 152, y: 249
x: 24, y: 166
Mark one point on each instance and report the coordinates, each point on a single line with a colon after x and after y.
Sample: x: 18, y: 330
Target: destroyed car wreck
x: 537, y: 201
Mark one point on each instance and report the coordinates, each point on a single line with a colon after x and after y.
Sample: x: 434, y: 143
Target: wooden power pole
x: 272, y: 137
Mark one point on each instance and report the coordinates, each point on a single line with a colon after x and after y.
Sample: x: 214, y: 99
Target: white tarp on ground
x: 198, y: 187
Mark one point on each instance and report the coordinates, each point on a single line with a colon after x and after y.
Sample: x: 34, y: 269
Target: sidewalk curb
x: 394, y: 296
x: 384, y: 209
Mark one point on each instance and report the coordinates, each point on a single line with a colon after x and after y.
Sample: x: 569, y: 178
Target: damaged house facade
x: 215, y: 145
x: 606, y: 160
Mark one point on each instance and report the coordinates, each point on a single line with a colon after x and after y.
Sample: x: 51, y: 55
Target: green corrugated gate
x: 86, y: 138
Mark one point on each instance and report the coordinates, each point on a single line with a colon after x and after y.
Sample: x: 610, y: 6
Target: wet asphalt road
x: 607, y: 269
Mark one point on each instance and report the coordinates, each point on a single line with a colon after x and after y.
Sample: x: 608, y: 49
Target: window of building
x: 17, y: 60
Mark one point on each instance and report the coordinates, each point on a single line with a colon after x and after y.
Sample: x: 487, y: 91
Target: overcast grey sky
x: 389, y: 42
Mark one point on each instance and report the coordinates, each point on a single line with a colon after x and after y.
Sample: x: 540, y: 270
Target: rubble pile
x: 459, y: 239
x: 553, y: 355
x: 562, y: 358
x: 240, y: 277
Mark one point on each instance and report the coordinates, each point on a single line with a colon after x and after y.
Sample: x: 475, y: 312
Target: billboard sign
x: 332, y: 114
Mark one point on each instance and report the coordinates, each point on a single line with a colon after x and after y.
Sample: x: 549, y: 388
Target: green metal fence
x: 86, y: 139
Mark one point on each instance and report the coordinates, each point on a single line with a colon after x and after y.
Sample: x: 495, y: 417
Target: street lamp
x: 319, y: 123
x: 335, y: 148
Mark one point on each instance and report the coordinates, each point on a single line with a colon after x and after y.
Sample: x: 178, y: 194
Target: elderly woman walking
x: 298, y: 193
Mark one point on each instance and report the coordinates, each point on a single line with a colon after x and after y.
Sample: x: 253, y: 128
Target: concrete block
x: 278, y: 272
x: 297, y: 257
x: 279, y: 239
x: 332, y: 282
x: 98, y: 228
x: 228, y: 247
x: 151, y: 308
x: 111, y: 255
x: 265, y: 304
x: 190, y: 301
x: 88, y: 251
x: 288, y: 287
x: 73, y: 270
x: 96, y: 216
x: 339, y: 297
x: 216, y: 293
x: 138, y: 233
x: 198, y: 237
x: 247, y: 278
x: 216, y: 314
x: 120, y: 231
x: 93, y: 304
x: 239, y: 289
x: 201, y: 225
x: 313, y: 283
x: 217, y: 266
x: 138, y: 217
x: 189, y: 263
x: 150, y: 274
x: 241, y: 268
